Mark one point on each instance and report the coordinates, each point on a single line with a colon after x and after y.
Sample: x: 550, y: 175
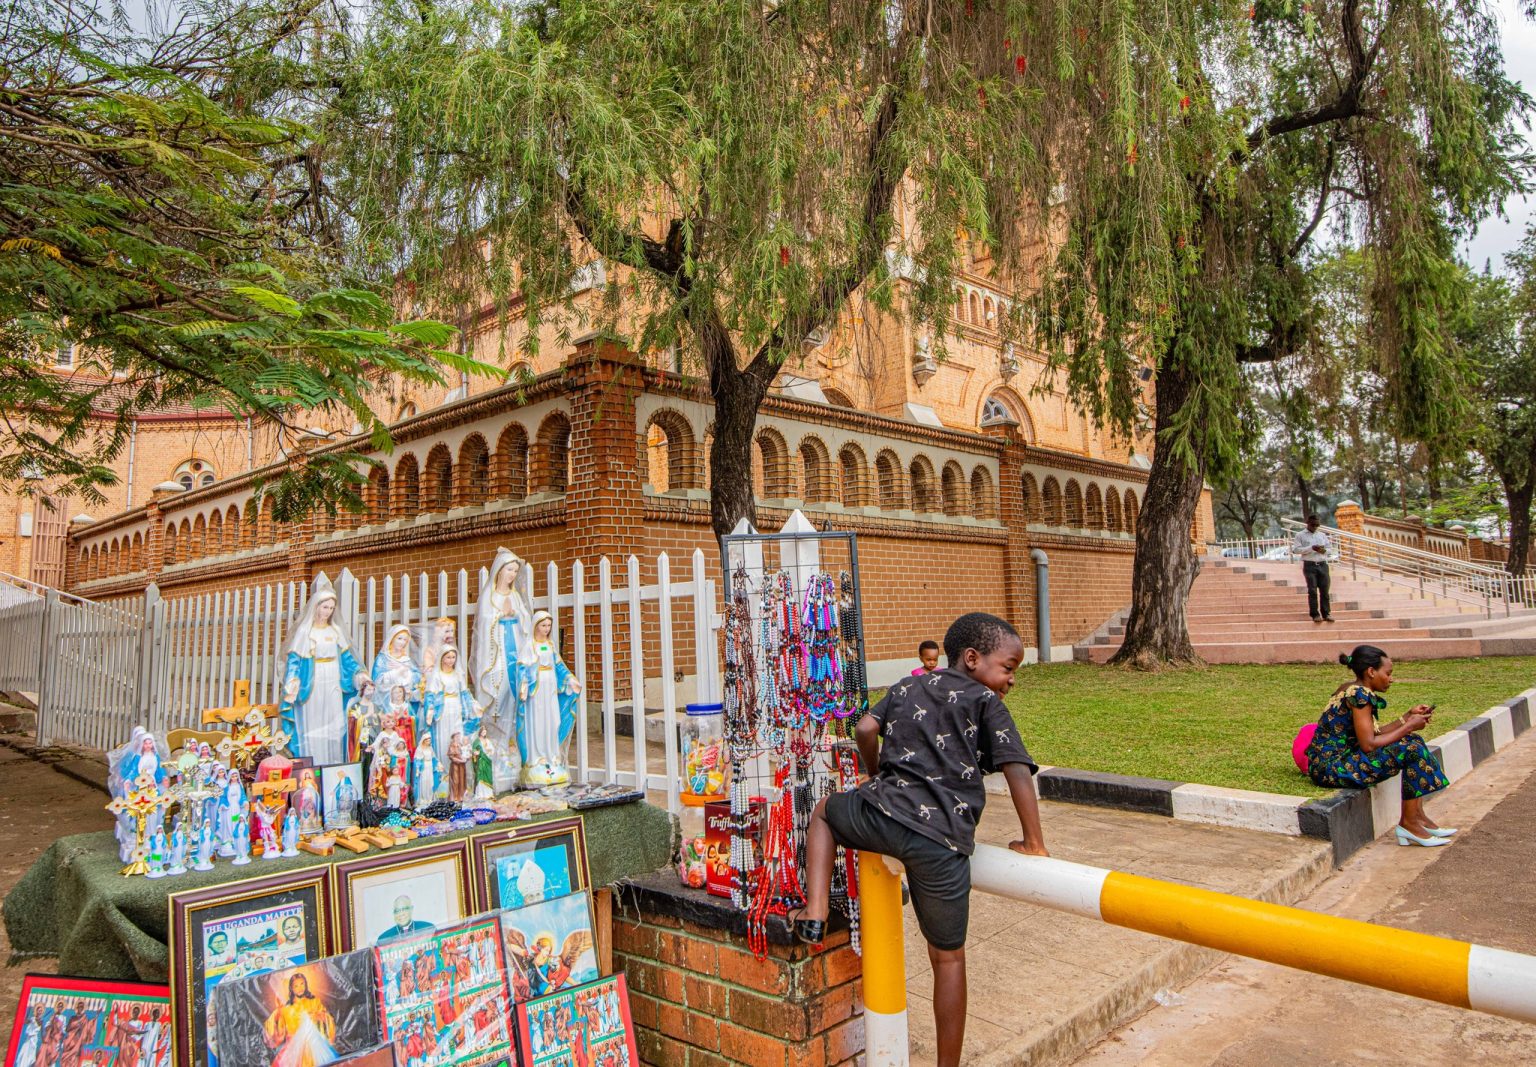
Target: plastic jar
x: 703, y: 751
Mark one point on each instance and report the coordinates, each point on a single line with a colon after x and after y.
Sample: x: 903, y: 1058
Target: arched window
x: 893, y: 494
x: 983, y: 499
x: 378, y: 495
x: 216, y: 533
x: 975, y: 304
x: 1031, y: 492
x: 407, y: 411
x: 1050, y: 503
x: 1074, y: 504
x: 406, y: 491
x: 552, y: 463
x: 168, y: 545
x: 816, y: 470
x: 512, y: 462
x: 989, y: 313
x: 474, y: 471
x: 925, y: 495
x: 669, y: 456
x: 1132, y: 512
x: 837, y: 398
x: 1112, y: 510
x: 853, y: 473
x: 773, y: 481
x: 136, y: 554
x: 194, y: 474
x: 1093, y: 508
x: 184, y: 546
x: 437, y: 480
x: 954, y: 490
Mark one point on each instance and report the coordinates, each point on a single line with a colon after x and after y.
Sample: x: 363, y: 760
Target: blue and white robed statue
x: 448, y: 707
x: 502, y: 627
x: 548, y: 692
x: 396, y: 665
x: 319, y: 672
x: 142, y: 755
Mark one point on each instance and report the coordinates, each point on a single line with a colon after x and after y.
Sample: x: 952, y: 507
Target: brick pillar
x: 603, y: 503
x: 701, y: 999
x: 301, y: 532
x: 1019, y: 576
x: 1348, y: 517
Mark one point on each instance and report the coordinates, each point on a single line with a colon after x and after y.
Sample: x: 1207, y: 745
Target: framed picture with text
x: 236, y: 930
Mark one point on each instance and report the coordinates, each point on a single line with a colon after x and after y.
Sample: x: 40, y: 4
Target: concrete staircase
x: 1246, y: 611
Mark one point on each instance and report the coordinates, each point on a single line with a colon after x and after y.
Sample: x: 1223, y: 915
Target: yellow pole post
x: 885, y: 970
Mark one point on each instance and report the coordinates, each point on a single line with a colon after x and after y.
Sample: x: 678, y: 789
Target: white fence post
x: 48, y: 669
x: 151, y: 639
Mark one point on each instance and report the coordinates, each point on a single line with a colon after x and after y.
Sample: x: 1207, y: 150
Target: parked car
x: 1277, y: 552
x: 1238, y: 552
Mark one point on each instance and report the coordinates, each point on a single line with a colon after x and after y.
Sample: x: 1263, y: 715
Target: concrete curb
x: 1350, y: 818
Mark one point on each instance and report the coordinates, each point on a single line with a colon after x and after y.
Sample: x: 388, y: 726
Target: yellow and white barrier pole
x: 885, y: 971
x: 1420, y: 965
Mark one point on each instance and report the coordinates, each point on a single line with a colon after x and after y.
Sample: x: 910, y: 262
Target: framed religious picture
x: 235, y: 930
x: 341, y: 787
x: 443, y: 996
x: 401, y: 892
x: 93, y: 1023
x: 549, y: 945
x: 309, y: 1014
x: 531, y: 863
x: 588, y: 1024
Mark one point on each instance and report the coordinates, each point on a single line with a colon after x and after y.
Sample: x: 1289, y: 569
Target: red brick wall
x: 700, y: 999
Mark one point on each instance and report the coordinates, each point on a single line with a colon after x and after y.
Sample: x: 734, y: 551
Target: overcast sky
x: 1498, y: 236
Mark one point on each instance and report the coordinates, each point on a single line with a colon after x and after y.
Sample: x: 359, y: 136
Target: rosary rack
x: 794, y: 685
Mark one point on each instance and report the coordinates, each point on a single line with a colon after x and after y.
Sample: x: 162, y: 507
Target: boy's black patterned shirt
x: 942, y: 733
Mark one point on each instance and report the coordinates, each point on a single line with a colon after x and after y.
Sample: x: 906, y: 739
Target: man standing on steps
x: 1311, y: 547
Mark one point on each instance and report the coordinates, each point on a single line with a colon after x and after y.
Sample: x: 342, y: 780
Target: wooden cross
x: 241, y: 709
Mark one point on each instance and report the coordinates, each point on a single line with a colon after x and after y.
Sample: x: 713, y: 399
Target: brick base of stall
x: 701, y: 999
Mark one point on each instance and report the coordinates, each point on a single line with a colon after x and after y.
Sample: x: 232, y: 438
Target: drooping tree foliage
x: 743, y: 166
x: 170, y: 230
x: 1391, y: 121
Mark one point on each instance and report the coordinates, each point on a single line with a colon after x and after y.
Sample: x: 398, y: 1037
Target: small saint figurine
x: 484, y: 767
x: 291, y: 833
x: 359, y: 710
x: 425, y: 776
x: 204, y: 860
x: 458, y: 767
x: 400, y: 716
x: 178, y: 850
x: 265, y: 819
x: 232, y: 805
x: 156, y: 855
x: 547, y: 693
x: 306, y: 801
x: 242, y: 841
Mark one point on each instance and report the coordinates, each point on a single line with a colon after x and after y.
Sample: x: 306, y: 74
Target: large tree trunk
x: 1157, y: 634
x: 1305, y: 492
x: 737, y: 395
x: 1519, y: 500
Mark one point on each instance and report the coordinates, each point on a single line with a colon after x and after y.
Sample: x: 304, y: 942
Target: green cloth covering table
x: 73, y: 903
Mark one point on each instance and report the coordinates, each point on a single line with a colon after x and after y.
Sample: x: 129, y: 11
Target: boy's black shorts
x: 939, y: 878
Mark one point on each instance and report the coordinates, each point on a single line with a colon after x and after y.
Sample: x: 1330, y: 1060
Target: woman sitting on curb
x: 1351, y: 750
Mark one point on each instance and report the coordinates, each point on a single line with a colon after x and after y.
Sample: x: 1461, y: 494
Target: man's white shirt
x: 1310, y: 547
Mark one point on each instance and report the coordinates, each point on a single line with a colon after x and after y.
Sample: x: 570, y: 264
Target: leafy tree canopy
x: 170, y: 229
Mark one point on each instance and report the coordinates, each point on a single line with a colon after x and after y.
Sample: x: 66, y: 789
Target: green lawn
x: 1229, y: 726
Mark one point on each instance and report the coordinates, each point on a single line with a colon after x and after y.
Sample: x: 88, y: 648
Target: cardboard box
x: 719, y: 878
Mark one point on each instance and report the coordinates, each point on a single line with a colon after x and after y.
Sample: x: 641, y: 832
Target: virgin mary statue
x: 319, y: 672
x: 501, y: 628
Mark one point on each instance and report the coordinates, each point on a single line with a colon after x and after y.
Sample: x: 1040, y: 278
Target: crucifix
x: 142, y: 801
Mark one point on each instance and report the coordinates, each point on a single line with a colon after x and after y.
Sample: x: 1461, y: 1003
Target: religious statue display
x: 306, y: 804
x: 362, y: 717
x: 502, y: 627
x: 448, y: 706
x: 395, y: 665
x: 443, y: 633
x: 319, y: 672
x: 426, y: 774
x: 142, y: 756
x: 458, y: 757
x: 389, y: 779
x: 548, y: 694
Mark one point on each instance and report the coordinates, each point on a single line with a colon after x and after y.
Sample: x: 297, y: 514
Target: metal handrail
x: 1471, y: 583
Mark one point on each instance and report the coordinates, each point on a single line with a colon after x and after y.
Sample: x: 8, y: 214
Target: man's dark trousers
x: 1317, y: 588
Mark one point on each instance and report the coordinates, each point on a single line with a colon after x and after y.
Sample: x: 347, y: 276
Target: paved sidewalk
x: 1250, y: 1014
x: 1045, y: 985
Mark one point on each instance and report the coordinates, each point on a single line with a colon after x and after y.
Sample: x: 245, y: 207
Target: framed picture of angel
x: 549, y: 945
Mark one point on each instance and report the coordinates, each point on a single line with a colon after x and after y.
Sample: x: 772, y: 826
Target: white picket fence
x: 100, y: 669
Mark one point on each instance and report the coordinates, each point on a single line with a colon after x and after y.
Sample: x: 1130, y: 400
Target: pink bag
x: 1299, y: 746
